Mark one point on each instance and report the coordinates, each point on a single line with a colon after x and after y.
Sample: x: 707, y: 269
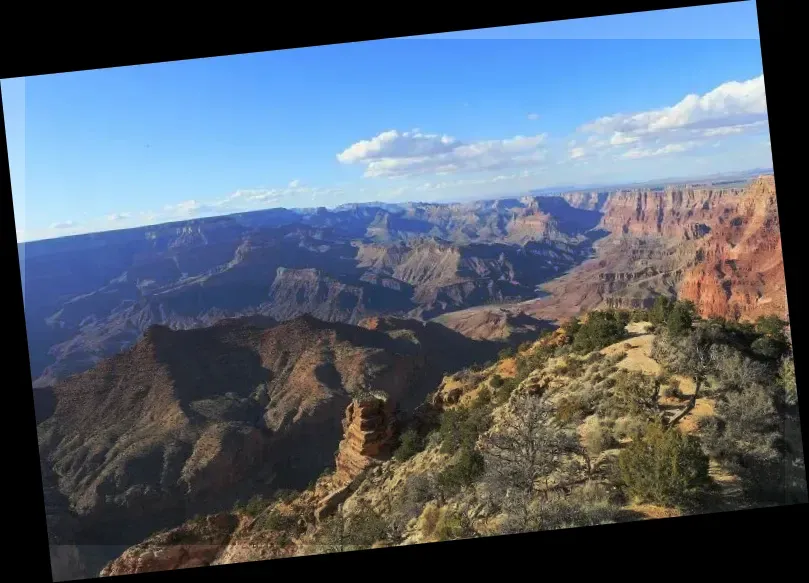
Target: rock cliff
x: 368, y: 435
x: 718, y: 247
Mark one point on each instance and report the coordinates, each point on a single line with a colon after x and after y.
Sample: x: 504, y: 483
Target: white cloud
x: 732, y: 108
x: 64, y: 225
x: 620, y: 138
x: 295, y: 183
x: 395, y: 154
x: 576, y: 153
x: 186, y: 208
x: 730, y: 104
x: 252, y: 195
x: 648, y: 153
x: 116, y: 217
x: 533, y: 116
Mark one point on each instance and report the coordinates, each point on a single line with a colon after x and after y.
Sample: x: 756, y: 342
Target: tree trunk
x: 697, y: 385
x: 691, y: 403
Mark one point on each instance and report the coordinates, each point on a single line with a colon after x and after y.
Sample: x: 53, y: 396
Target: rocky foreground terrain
x: 188, y: 421
x: 440, y: 474
x: 718, y: 247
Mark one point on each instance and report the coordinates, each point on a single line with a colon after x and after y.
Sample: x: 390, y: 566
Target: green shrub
x: 600, y: 330
x: 575, y: 367
x: 681, y: 318
x: 451, y: 526
x: 769, y: 348
x: 786, y: 378
x: 504, y: 391
x: 366, y: 527
x: 278, y: 521
x: 467, y: 468
x: 663, y: 467
x: 179, y: 536
x: 255, y: 505
x: 628, y: 427
x: 639, y: 316
x: 571, y: 328
x: 660, y: 311
x: 484, y: 398
x: 772, y: 326
x: 505, y: 353
x: 462, y: 426
x: 410, y: 443
x: 596, y: 436
x: 572, y: 408
x: 496, y: 381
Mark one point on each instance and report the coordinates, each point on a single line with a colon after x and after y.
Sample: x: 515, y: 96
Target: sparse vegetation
x: 525, y: 447
x: 601, y: 329
x: 596, y: 436
x: 680, y: 318
x: 659, y: 314
x: 359, y: 531
x: 664, y: 467
x: 466, y: 468
x: 462, y: 426
x: 787, y: 381
x: 410, y: 443
x: 452, y: 525
x: 279, y: 521
x: 505, y: 353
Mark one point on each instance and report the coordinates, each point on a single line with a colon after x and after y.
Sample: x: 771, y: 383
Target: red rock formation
x: 720, y: 248
x: 368, y: 432
x: 368, y: 436
x: 741, y: 271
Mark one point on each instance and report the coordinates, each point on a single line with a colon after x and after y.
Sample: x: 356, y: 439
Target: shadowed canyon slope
x: 187, y: 421
x: 720, y: 248
x: 90, y: 296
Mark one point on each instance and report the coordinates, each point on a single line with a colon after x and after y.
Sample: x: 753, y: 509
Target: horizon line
x: 747, y: 175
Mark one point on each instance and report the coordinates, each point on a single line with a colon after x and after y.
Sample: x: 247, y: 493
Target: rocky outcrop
x: 739, y: 272
x: 368, y: 436
x: 718, y: 247
x: 194, y: 544
x: 190, y: 421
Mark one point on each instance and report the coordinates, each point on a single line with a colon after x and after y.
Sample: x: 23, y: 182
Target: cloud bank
x: 394, y: 154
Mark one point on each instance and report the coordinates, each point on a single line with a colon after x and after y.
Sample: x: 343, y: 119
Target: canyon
x: 719, y: 248
x: 179, y: 368
x: 187, y: 422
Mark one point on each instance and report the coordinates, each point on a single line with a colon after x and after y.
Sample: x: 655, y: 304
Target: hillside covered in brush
x: 613, y: 417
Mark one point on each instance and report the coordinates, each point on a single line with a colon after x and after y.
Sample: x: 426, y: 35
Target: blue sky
x: 527, y: 107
